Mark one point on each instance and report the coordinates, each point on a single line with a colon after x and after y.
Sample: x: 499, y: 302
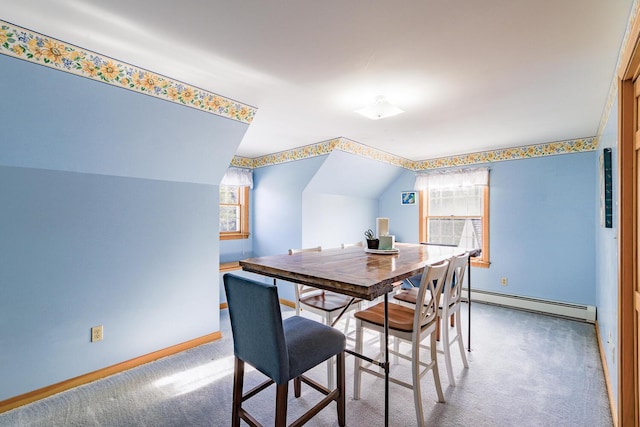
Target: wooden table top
x: 351, y: 271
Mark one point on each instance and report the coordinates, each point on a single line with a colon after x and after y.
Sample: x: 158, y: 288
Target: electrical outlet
x: 503, y: 281
x: 96, y: 333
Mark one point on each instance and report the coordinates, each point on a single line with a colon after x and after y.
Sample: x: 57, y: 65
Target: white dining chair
x: 448, y: 309
x: 328, y: 305
x: 413, y: 325
x: 301, y: 290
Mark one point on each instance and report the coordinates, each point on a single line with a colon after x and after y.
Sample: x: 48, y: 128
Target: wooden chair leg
x: 297, y: 387
x: 281, y: 404
x: 341, y: 387
x: 238, y: 379
x: 452, y: 321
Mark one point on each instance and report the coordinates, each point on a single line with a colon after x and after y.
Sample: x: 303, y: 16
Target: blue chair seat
x: 310, y: 343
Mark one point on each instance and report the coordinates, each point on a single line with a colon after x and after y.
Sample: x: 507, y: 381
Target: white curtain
x: 238, y: 177
x: 452, y: 178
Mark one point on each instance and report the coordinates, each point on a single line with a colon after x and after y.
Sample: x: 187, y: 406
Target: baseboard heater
x: 586, y: 313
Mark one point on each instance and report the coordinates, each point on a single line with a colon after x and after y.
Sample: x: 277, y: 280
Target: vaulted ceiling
x: 470, y: 75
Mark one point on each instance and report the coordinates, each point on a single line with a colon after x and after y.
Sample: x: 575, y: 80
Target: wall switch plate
x: 96, y: 333
x: 503, y: 281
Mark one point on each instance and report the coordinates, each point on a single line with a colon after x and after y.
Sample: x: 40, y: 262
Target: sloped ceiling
x: 351, y: 175
x: 58, y: 121
x: 471, y: 76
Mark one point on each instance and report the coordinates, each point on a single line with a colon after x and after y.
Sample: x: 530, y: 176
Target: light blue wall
x: 109, y: 217
x: 607, y: 258
x: 341, y: 201
x: 542, y: 238
x: 403, y: 219
x: 236, y: 249
x: 80, y: 250
x: 541, y: 227
x: 277, y: 195
x: 332, y: 219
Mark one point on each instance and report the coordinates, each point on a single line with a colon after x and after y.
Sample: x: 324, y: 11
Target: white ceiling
x: 471, y: 75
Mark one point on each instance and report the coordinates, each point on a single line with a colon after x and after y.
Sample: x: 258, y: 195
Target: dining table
x: 357, y: 272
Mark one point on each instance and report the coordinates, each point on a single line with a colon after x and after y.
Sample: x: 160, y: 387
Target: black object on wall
x: 607, y: 190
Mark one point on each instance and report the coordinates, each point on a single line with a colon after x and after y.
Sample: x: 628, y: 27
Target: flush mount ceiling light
x: 379, y: 109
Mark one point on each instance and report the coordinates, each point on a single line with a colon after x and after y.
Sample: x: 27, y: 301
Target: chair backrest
x: 297, y: 251
x: 351, y: 245
x: 256, y: 326
x: 455, y: 279
x: 301, y: 289
x: 433, y: 279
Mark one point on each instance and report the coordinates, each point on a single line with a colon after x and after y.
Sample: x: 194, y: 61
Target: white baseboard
x: 586, y: 313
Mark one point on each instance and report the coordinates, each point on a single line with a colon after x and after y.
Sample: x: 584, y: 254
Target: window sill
x: 229, y: 266
x: 233, y: 236
x: 480, y: 263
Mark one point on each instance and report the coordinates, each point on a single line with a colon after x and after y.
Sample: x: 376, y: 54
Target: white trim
x: 586, y: 313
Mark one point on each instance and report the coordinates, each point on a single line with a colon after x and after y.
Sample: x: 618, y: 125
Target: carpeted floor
x: 525, y: 369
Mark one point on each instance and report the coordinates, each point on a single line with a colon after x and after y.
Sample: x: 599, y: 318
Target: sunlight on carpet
x: 195, y: 378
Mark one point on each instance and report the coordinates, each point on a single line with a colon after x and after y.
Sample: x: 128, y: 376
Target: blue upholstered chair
x: 281, y: 350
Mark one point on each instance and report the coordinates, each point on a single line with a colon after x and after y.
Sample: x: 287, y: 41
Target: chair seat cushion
x: 400, y: 318
x: 327, y: 301
x: 310, y: 343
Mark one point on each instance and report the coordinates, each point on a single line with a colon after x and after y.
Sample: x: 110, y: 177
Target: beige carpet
x: 525, y: 370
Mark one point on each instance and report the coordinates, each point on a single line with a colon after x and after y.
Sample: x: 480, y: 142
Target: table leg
x: 386, y: 359
x: 469, y: 302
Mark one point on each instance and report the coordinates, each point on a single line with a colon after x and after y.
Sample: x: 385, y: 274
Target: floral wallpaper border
x: 34, y: 47
x: 515, y: 153
x: 349, y: 146
x: 320, y: 149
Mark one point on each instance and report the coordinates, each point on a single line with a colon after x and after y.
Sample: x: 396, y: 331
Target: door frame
x: 627, y: 413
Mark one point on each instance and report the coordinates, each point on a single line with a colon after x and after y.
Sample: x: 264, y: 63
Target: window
x: 234, y: 212
x: 234, y: 203
x: 455, y: 212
